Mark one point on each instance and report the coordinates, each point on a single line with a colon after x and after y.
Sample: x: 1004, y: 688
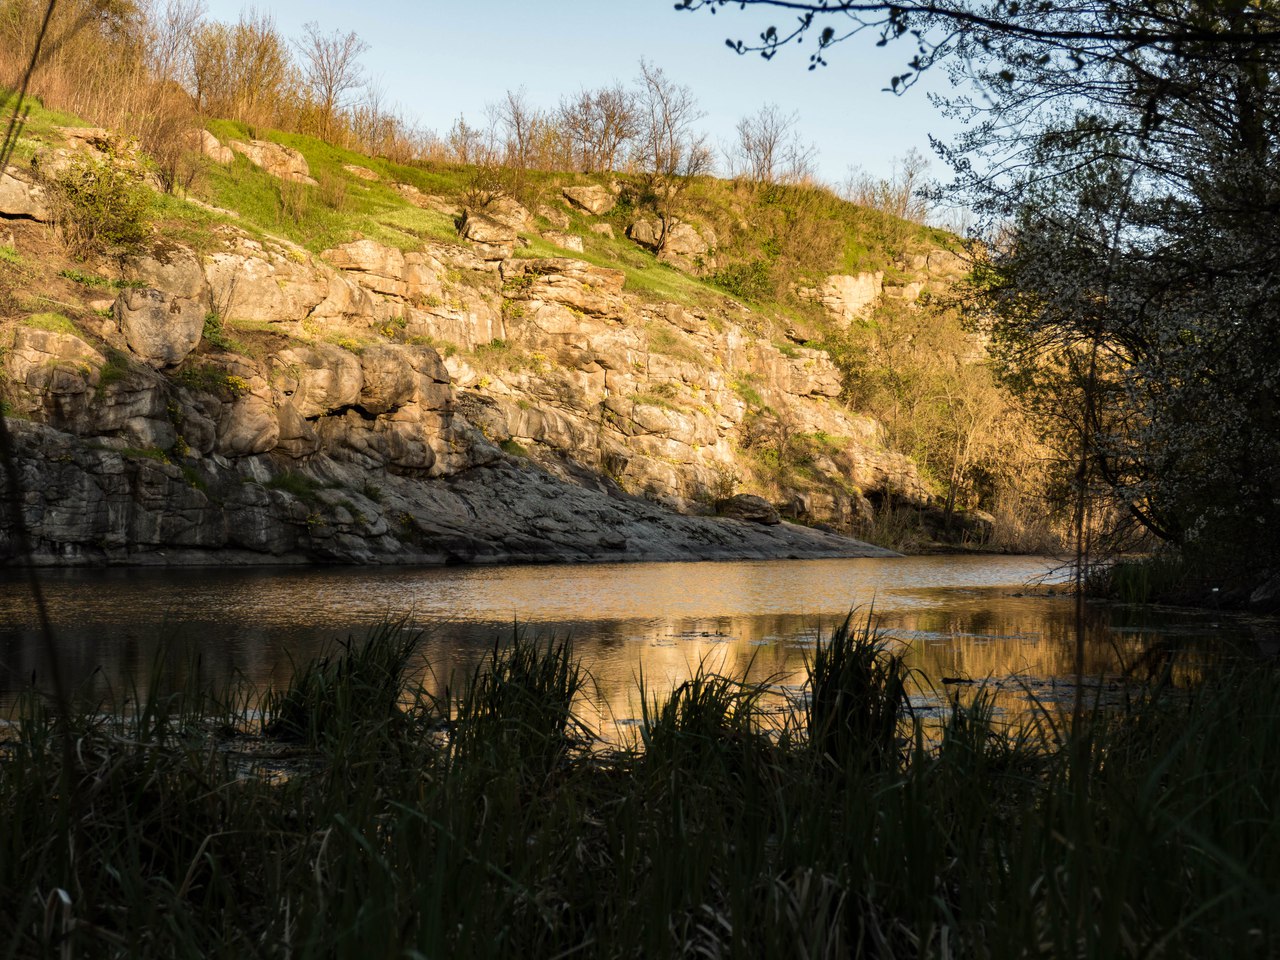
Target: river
x: 1006, y: 621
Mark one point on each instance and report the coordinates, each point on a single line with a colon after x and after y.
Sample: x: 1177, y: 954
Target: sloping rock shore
x: 93, y: 504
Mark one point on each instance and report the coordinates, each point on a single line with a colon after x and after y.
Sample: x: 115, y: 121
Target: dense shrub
x: 101, y: 205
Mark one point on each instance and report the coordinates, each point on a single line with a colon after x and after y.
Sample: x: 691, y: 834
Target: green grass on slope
x: 340, y: 206
x: 647, y: 276
x: 766, y: 239
x: 38, y: 127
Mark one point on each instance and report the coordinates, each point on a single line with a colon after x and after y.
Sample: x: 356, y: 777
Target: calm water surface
x: 995, y: 619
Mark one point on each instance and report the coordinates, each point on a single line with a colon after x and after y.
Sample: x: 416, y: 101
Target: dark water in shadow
x: 997, y: 619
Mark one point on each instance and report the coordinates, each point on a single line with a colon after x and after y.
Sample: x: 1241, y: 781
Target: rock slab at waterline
x: 95, y: 504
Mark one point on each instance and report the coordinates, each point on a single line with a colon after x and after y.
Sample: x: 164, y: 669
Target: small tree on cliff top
x: 669, y: 149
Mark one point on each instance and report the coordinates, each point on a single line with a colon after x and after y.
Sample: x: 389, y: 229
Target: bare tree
x: 522, y: 128
x: 173, y: 27
x: 375, y: 127
x: 669, y: 144
x: 331, y: 70
x: 599, y: 126
x: 240, y: 71
x: 617, y: 123
x: 470, y: 145
x: 901, y: 194
x: 669, y: 149
x: 769, y: 148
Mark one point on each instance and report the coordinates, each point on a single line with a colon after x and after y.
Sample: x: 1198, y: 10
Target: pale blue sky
x: 438, y: 58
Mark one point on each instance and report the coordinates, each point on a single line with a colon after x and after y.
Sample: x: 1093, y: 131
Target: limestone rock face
x: 492, y: 240
x: 428, y: 201
x: 95, y: 139
x: 248, y: 426
x: 509, y: 212
x: 687, y: 248
x: 263, y: 283
x: 388, y: 278
x: 562, y: 280
x: 277, y: 159
x: 604, y: 229
x: 137, y: 510
x: 812, y: 374
x: 389, y: 379
x: 212, y: 147
x: 59, y: 371
x: 908, y: 292
x: 318, y: 379
x: 34, y: 355
x: 159, y: 327
x: 681, y: 245
x: 847, y: 298
x: 466, y: 322
x: 20, y: 197
x: 566, y: 241
x: 377, y: 367
x: 381, y: 268
x: 172, y: 268
x: 298, y: 437
x: 593, y: 198
x: 367, y: 256
x: 746, y: 506
x: 557, y: 218
x: 647, y: 233
x: 362, y: 173
x: 347, y: 301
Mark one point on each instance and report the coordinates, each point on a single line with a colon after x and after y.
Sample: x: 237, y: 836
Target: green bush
x: 215, y: 333
x: 100, y: 206
x: 747, y: 281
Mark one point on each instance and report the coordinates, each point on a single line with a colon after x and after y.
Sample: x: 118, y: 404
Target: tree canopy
x: 1124, y: 160
x: 1086, y: 30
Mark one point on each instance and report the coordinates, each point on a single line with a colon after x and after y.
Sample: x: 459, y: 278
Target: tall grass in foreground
x: 382, y: 822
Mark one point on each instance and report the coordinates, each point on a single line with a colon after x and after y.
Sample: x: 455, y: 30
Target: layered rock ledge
x: 100, y: 504
x: 245, y: 400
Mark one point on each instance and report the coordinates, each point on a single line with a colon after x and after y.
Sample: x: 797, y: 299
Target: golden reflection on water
x: 1000, y: 620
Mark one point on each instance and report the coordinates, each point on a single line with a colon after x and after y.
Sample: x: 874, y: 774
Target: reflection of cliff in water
x: 117, y: 629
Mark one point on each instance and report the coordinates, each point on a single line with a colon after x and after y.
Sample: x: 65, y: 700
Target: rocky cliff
x: 241, y: 398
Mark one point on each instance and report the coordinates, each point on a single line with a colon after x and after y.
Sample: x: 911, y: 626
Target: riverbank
x: 1187, y: 581
x: 101, y: 504
x: 349, y: 815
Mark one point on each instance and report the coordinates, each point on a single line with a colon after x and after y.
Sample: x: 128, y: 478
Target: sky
x: 436, y: 59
